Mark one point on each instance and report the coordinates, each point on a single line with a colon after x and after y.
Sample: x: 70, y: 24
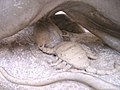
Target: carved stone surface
x: 100, y: 17
x: 21, y: 58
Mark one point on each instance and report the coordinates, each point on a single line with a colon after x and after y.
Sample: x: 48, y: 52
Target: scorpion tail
x: 102, y: 72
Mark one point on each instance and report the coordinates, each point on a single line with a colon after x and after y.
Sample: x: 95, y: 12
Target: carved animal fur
x: 77, y: 56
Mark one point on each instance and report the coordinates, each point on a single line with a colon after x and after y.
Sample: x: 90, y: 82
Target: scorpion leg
x: 67, y: 67
x: 60, y: 66
x: 46, y: 50
x: 56, y: 63
x: 64, y: 68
